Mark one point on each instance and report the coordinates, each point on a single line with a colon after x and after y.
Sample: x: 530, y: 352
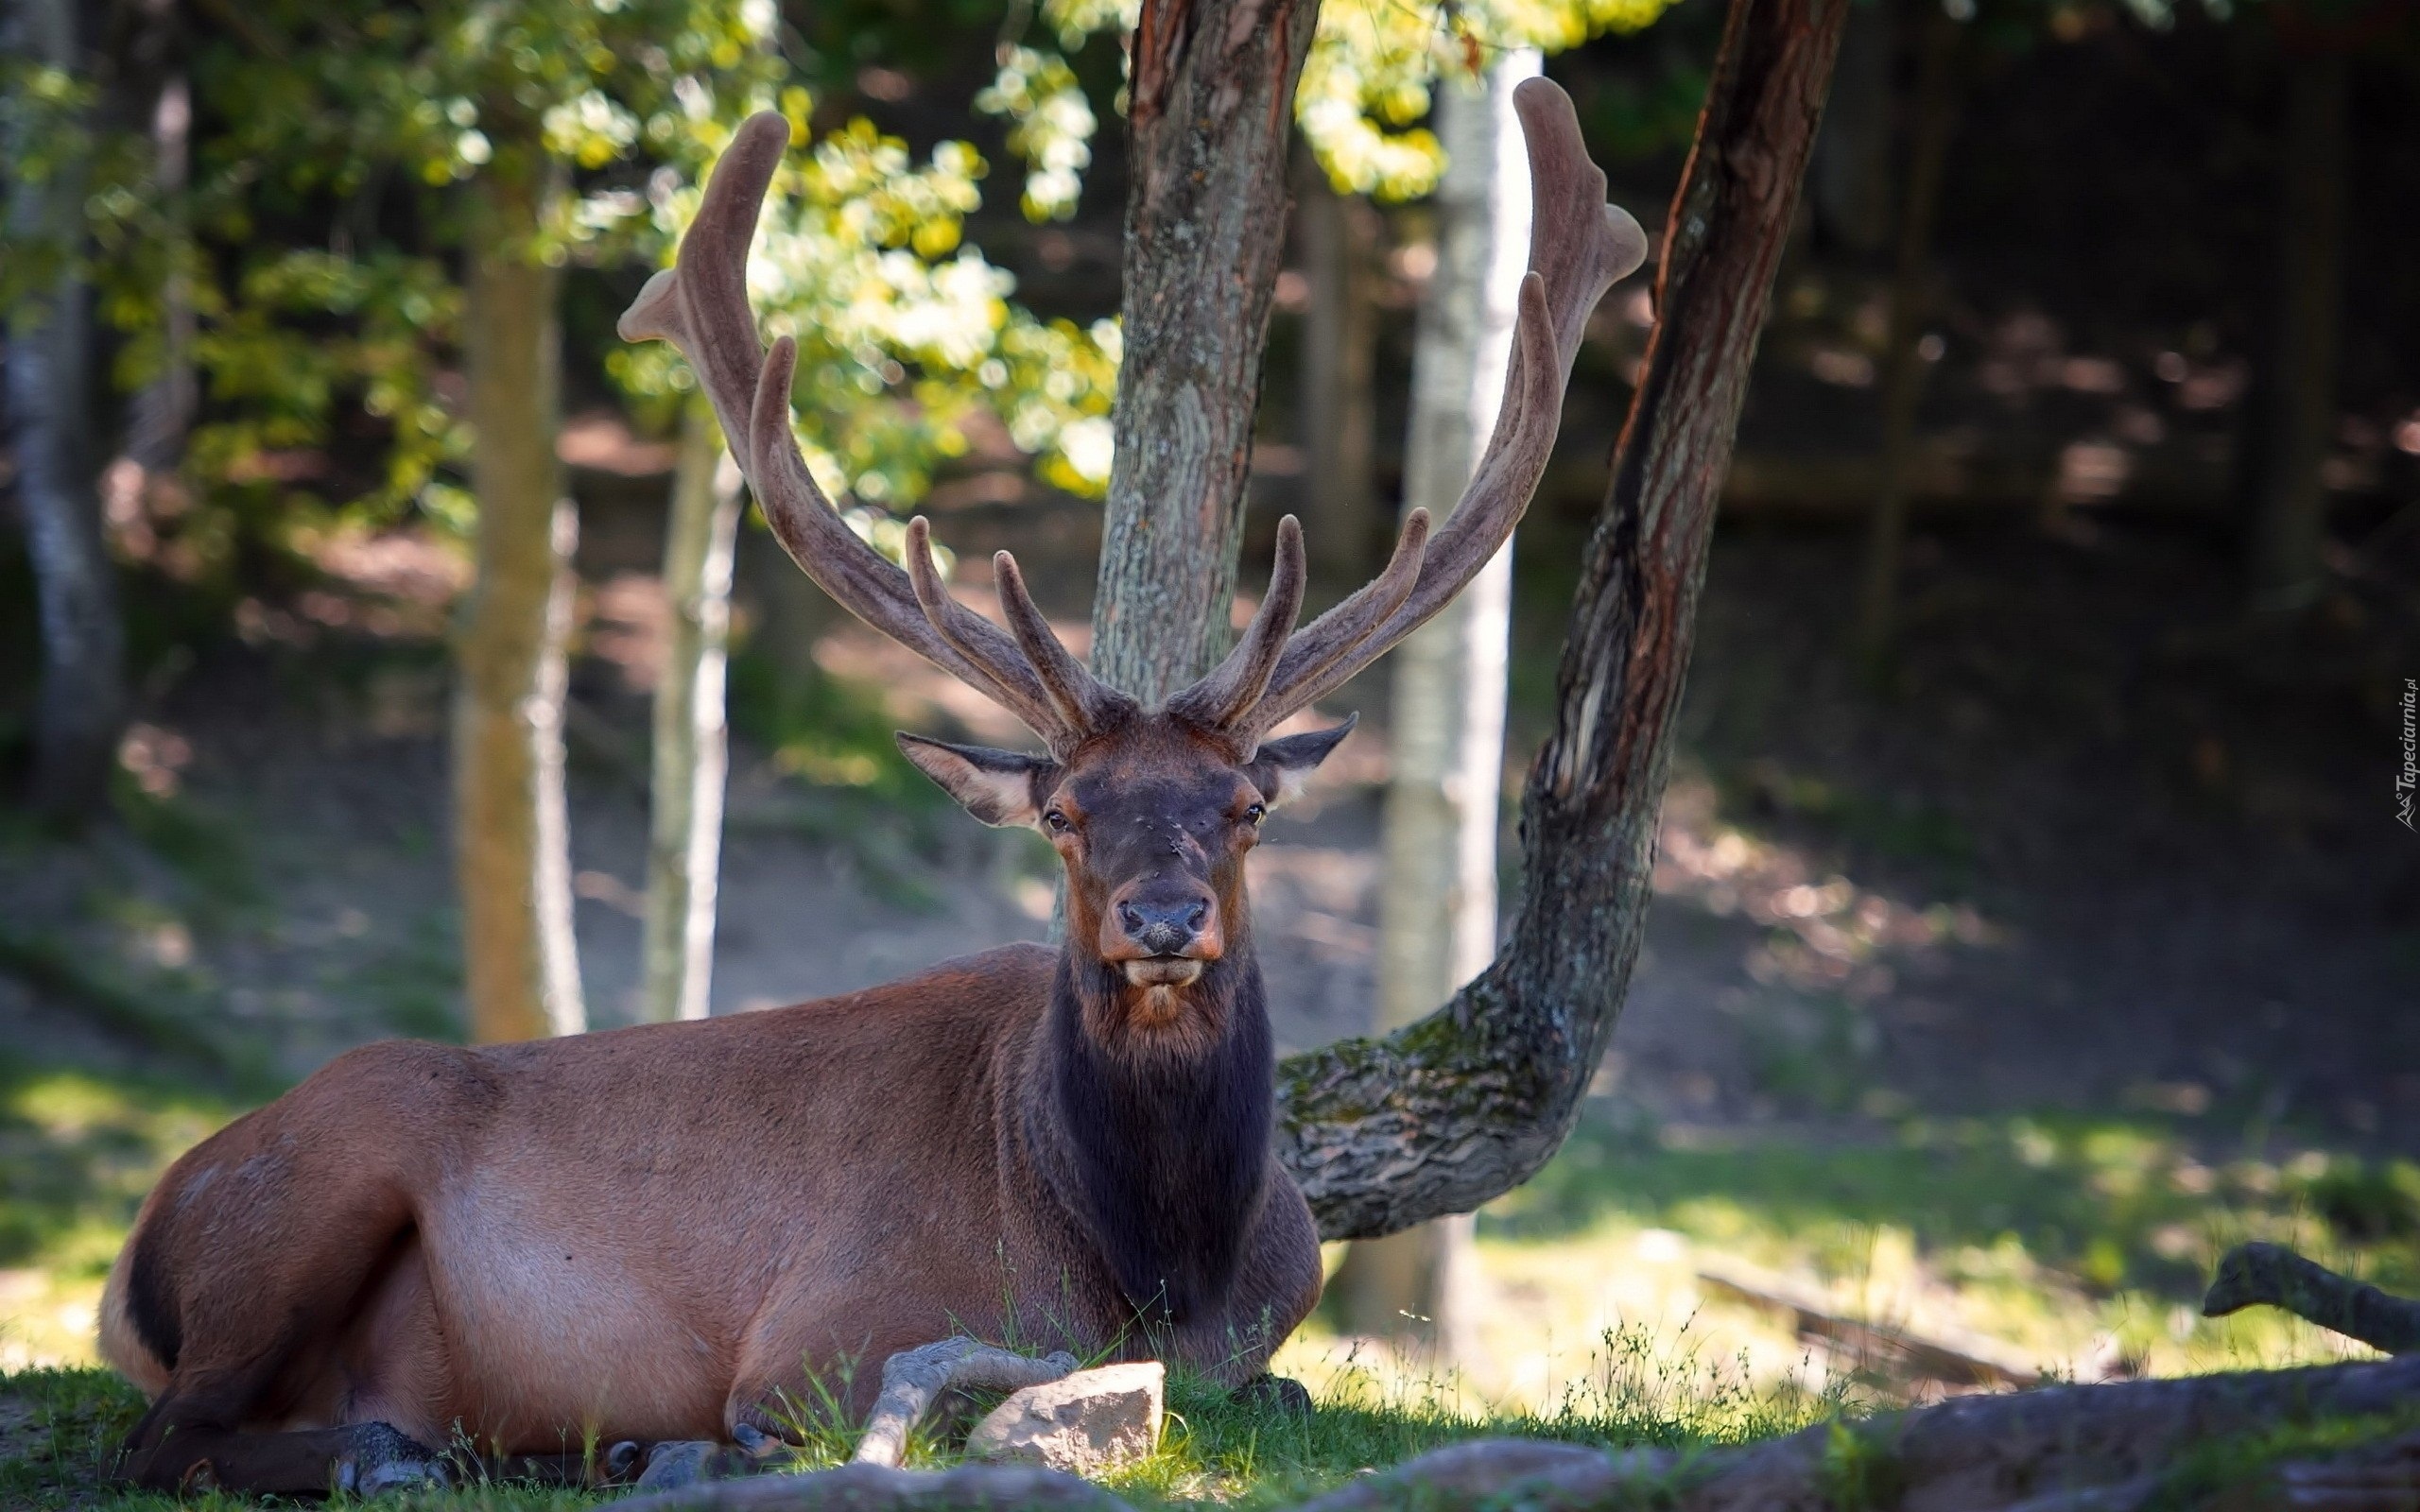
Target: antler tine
x: 1006, y: 671
x: 1223, y: 699
x: 1335, y: 635
x: 1579, y: 245
x: 1086, y: 702
x: 700, y: 305
x: 861, y: 578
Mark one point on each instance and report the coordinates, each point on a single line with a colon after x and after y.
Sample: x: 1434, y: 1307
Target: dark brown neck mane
x: 1159, y: 1149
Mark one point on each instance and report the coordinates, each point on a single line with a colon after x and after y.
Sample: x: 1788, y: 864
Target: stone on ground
x: 1087, y: 1422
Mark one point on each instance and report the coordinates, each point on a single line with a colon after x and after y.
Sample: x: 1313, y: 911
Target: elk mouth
x: 1162, y: 970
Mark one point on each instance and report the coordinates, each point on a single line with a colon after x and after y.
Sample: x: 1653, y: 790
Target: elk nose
x: 1162, y: 926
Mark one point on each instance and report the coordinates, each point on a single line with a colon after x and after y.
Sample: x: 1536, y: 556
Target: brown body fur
x: 647, y: 1232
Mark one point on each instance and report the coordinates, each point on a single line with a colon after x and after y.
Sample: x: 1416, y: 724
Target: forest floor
x: 1990, y: 1007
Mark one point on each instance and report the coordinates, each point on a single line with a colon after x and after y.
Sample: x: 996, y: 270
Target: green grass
x: 1213, y: 1448
x: 2057, y: 1233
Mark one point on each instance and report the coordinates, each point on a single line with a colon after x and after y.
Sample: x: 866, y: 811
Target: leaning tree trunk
x: 692, y: 742
x: 1469, y: 1102
x: 81, y: 703
x: 511, y: 833
x: 2291, y: 511
x: 1211, y: 93
x: 1446, y: 728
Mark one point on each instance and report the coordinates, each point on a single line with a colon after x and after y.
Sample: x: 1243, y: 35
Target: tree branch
x: 1469, y: 1103
x: 2273, y: 1274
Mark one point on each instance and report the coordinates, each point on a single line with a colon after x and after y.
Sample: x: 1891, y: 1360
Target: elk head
x: 1151, y: 810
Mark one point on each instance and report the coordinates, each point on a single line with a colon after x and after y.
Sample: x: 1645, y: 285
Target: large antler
x: 1578, y: 244
x: 700, y: 305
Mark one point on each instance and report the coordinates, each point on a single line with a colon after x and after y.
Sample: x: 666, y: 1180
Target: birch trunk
x: 692, y: 742
x: 1211, y: 93
x: 1437, y: 912
x: 81, y: 706
x: 1469, y: 1102
x: 511, y: 832
x: 1339, y: 504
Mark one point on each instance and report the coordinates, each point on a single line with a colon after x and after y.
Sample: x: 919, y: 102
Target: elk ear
x: 1000, y: 787
x: 1284, y: 768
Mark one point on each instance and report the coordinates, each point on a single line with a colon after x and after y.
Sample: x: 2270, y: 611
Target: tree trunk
x: 2291, y: 514
x: 1338, y: 414
x: 81, y: 705
x: 1437, y: 922
x: 1211, y: 93
x: 1931, y: 118
x: 163, y: 411
x: 691, y: 741
x: 511, y: 833
x: 1469, y: 1102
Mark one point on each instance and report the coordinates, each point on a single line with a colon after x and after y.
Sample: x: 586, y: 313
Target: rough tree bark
x: 692, y: 742
x: 1211, y: 95
x: 81, y: 706
x: 1932, y: 116
x: 1437, y: 906
x: 511, y: 833
x: 2292, y: 512
x: 1338, y: 234
x: 1469, y: 1102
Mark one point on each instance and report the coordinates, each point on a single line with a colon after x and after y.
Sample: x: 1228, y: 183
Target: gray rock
x: 1087, y: 1422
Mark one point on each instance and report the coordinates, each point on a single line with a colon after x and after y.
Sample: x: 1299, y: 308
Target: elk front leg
x: 361, y: 1458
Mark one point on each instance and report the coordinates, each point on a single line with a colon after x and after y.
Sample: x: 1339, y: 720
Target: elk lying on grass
x: 655, y: 1233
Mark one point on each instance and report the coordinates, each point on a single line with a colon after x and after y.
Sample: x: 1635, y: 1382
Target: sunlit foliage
x: 317, y: 247
x: 1364, y: 94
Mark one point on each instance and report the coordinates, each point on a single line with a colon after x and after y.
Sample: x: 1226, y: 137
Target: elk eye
x: 1056, y: 821
x: 1255, y: 814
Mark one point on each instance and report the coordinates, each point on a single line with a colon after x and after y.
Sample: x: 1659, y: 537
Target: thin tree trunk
x: 1931, y: 119
x: 81, y: 707
x: 1339, y: 506
x: 1469, y: 1102
x: 692, y: 742
x: 511, y: 833
x: 163, y: 411
x: 2291, y: 517
x: 1211, y: 90
x: 1437, y: 922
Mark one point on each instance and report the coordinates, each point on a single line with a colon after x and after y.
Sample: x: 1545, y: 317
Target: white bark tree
x: 692, y: 738
x: 1437, y: 922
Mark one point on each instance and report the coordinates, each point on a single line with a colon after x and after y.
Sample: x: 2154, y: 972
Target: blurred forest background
x: 2034, y: 915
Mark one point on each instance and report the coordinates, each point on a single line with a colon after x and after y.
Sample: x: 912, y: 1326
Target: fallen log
x: 1960, y: 1359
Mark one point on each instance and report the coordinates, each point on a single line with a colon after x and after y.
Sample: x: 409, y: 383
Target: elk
x: 655, y: 1233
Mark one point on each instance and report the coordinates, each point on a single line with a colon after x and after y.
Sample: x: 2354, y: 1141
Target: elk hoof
x: 679, y: 1462
x: 383, y: 1460
x: 623, y: 1458
x: 1274, y: 1393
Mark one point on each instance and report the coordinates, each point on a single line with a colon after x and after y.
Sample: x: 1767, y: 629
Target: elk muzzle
x: 1162, y: 935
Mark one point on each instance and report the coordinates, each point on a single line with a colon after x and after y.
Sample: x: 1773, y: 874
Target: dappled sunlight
x: 77, y: 1152
x: 2072, y: 1249
x: 1828, y: 933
